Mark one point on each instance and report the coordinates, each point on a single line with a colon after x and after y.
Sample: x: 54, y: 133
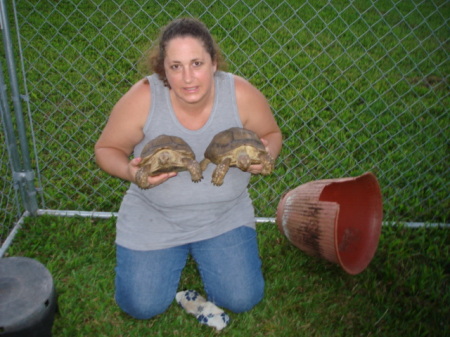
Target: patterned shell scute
x: 164, y: 142
x: 225, y: 143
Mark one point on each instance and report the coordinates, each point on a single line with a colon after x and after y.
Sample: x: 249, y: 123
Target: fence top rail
x: 107, y: 215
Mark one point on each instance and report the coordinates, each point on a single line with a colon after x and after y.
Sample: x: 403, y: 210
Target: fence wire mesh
x: 355, y: 86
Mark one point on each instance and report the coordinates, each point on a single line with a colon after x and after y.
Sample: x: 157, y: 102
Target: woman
x: 190, y: 97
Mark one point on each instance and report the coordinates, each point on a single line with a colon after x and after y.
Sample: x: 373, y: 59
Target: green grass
x: 403, y: 292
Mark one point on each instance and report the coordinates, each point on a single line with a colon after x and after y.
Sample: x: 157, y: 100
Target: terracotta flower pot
x: 335, y: 219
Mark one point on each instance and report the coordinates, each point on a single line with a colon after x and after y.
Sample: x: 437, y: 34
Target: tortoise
x: 166, y: 154
x: 236, y: 147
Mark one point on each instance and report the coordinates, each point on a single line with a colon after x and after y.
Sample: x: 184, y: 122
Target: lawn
x: 403, y: 292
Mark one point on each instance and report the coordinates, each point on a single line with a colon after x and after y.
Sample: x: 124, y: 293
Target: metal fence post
x: 23, y: 174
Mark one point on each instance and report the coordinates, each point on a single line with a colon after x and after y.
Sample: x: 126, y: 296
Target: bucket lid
x: 26, y: 290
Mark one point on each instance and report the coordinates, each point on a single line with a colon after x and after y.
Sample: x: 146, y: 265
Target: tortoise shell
x: 236, y: 147
x: 166, y: 154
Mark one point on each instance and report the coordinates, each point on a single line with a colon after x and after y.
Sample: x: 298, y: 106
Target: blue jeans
x: 229, y: 265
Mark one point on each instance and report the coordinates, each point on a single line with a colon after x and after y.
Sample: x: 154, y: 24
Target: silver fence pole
x: 11, y: 144
x: 24, y: 176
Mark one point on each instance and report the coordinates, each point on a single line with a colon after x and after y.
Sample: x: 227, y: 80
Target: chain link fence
x: 355, y: 86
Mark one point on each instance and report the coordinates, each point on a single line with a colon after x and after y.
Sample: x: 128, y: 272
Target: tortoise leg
x: 194, y: 169
x: 142, y: 177
x: 220, y: 172
x: 268, y: 163
x: 204, y: 164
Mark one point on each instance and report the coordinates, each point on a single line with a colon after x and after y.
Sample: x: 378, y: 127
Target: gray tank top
x: 180, y: 211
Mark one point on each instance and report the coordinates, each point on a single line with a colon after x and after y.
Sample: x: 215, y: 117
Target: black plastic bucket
x: 27, y: 298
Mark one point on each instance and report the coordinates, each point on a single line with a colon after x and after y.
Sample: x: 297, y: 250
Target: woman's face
x: 189, y: 69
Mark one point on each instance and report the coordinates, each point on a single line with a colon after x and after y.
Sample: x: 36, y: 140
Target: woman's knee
x: 146, y: 281
x: 144, y: 298
x: 230, y: 268
x: 139, y: 308
x: 241, y: 300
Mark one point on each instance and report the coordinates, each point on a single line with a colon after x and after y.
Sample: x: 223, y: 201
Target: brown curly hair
x: 180, y: 28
